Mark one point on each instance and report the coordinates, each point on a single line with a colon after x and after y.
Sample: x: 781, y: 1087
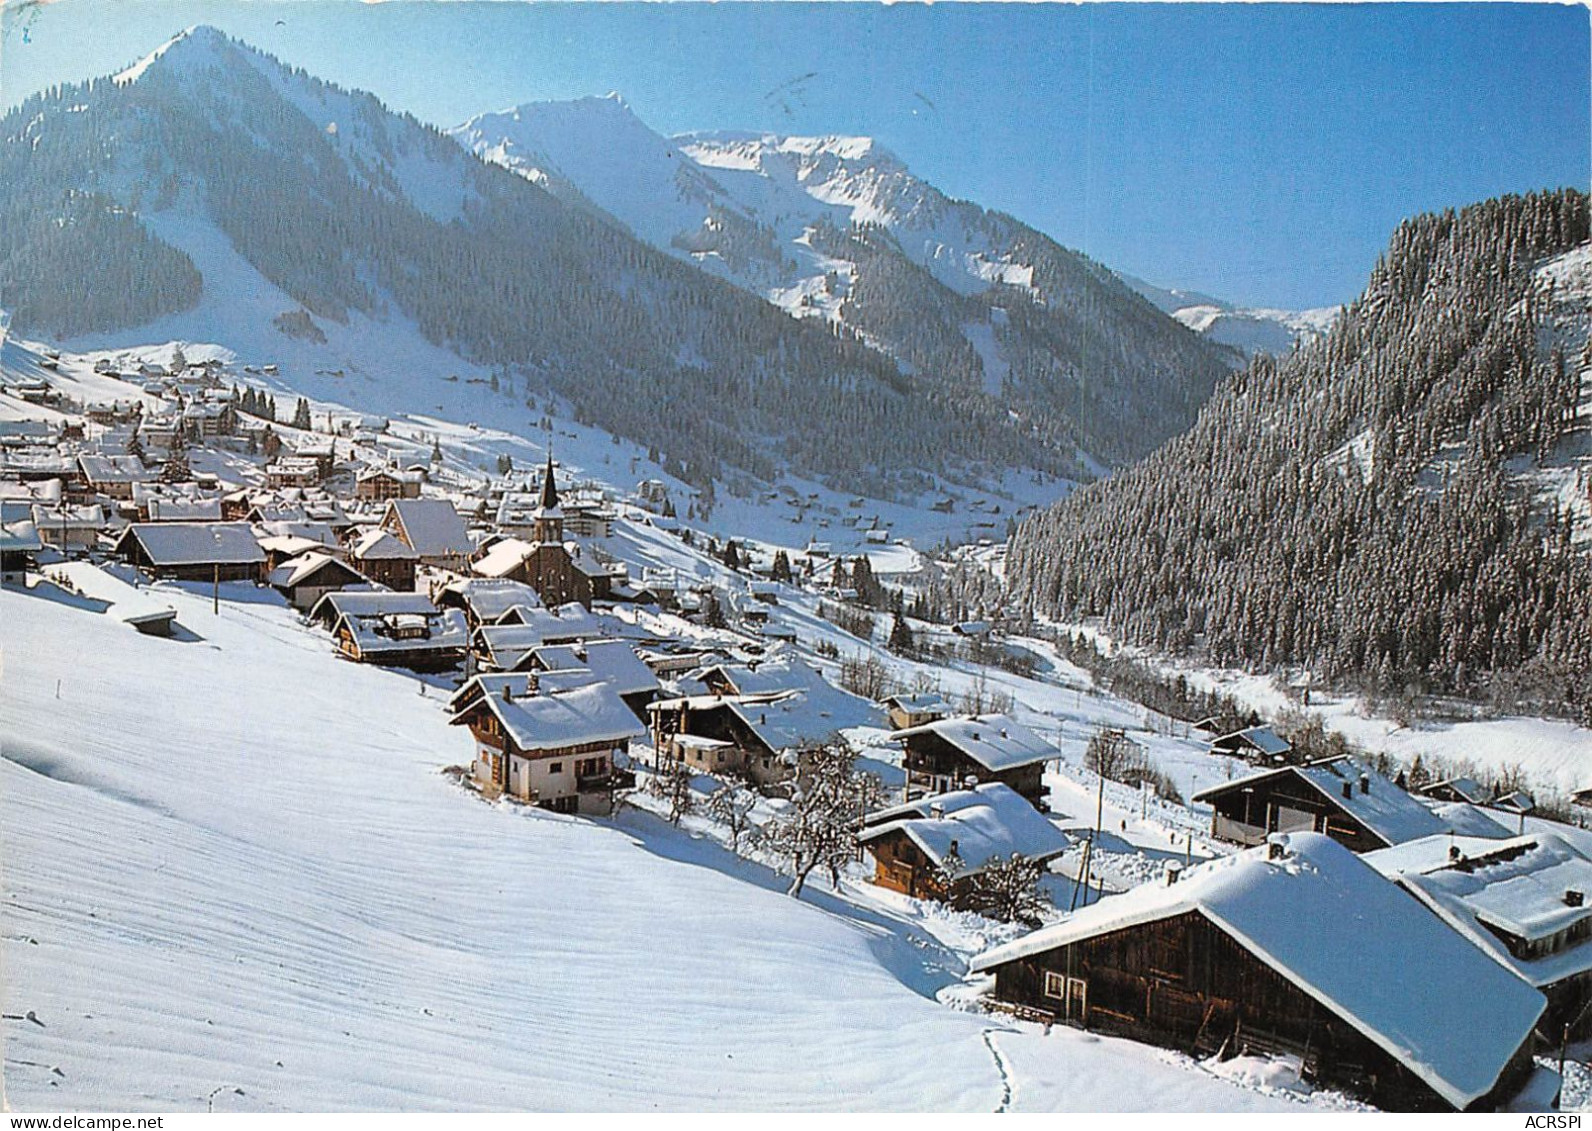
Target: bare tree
x: 819, y: 827
x: 732, y: 807
x: 672, y: 783
x: 865, y: 676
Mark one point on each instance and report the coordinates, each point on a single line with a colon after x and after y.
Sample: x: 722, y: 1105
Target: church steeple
x: 549, y: 490
x: 548, y: 523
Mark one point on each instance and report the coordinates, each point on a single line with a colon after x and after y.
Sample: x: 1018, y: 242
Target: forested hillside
x: 1365, y: 507
x: 353, y: 210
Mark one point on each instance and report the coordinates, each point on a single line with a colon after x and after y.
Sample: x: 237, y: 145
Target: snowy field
x: 234, y: 869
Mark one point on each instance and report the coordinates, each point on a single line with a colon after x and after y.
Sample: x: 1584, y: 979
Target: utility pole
x: 215, y: 589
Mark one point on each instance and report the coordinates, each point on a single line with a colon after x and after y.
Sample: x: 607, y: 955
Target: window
x: 1055, y: 985
x: 556, y: 768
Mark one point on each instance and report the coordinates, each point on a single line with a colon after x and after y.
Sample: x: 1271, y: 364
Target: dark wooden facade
x: 397, y: 574
x: 1284, y: 802
x: 1183, y: 983
x: 747, y: 755
x: 900, y: 865
x: 934, y: 765
x: 133, y: 551
x: 423, y: 656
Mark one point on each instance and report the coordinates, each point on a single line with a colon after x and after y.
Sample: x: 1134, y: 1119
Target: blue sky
x: 1262, y: 153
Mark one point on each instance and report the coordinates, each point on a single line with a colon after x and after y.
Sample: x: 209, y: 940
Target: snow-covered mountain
x: 216, y: 195
x: 702, y: 194
x: 1250, y: 330
x: 838, y: 229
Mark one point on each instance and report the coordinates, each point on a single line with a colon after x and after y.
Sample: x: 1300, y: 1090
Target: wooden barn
x: 1524, y: 901
x: 914, y: 710
x: 915, y: 846
x: 554, y: 750
x: 488, y: 600
x: 393, y: 629
x: 385, y: 560
x: 1299, y: 948
x: 946, y: 754
x: 1349, y: 801
x: 19, y: 541
x: 383, y: 483
x: 761, y: 738
x: 308, y: 577
x: 1257, y: 744
x: 193, y: 551
x: 431, y: 528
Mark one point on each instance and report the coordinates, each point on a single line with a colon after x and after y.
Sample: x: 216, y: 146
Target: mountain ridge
x: 366, y: 219
x: 974, y: 294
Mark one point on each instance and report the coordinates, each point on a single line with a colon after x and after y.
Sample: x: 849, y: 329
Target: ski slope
x: 234, y: 874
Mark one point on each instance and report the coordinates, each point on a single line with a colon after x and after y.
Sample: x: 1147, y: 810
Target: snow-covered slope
x: 211, y: 899
x: 1247, y: 329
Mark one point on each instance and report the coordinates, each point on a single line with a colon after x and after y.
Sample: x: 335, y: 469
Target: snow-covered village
x: 553, y: 615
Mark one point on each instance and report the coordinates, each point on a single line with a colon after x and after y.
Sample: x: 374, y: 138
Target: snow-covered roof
x: 509, y: 644
x: 290, y: 545
x: 371, y: 602
x: 1467, y: 788
x: 115, y: 469
x: 61, y: 517
x: 1408, y: 982
x: 795, y: 720
x: 1464, y: 819
x: 503, y: 558
x: 1386, y: 810
x: 986, y: 825
x: 433, y: 527
x: 298, y: 570
x: 375, y: 633
x: 127, y: 603
x: 613, y: 662
x: 1519, y: 886
x: 18, y: 534
x: 589, y: 714
x: 378, y: 545
x: 196, y: 543
x: 788, y: 672
x: 311, y: 531
x: 490, y: 598
x: 926, y: 702
x: 184, y: 510
x: 996, y: 742
x: 392, y: 473
x: 784, y: 672
x: 1262, y: 738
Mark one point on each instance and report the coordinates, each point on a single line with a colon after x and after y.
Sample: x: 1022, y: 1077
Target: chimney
x: 1365, y: 783
x: 1174, y: 872
x: 1003, y: 733
x: 508, y: 693
x: 1276, y: 850
x: 1573, y: 897
x: 1348, y: 790
x: 1454, y: 854
x: 936, y: 809
x: 975, y: 736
